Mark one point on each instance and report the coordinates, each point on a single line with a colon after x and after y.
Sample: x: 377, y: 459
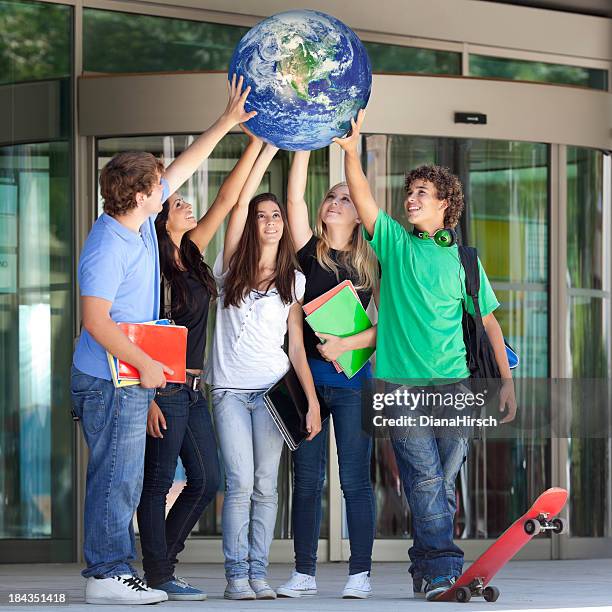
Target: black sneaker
x: 418, y: 592
x: 438, y: 585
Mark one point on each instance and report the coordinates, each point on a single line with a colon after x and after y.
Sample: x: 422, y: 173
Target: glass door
x: 37, y: 519
x: 507, y: 219
x: 589, y: 460
x: 36, y: 331
x: 200, y: 191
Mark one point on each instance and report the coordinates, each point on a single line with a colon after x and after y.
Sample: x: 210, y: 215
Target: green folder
x: 343, y: 315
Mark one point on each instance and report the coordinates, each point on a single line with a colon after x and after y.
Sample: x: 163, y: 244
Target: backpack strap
x: 469, y: 261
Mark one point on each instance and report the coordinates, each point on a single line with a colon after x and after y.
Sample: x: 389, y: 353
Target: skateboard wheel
x: 532, y: 527
x: 490, y: 593
x: 559, y: 525
x: 463, y: 595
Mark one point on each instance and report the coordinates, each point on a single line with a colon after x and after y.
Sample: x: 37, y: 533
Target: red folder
x: 164, y: 343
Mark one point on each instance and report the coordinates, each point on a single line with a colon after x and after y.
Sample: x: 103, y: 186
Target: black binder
x: 287, y: 404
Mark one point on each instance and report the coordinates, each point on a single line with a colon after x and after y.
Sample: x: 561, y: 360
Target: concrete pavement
x: 524, y: 585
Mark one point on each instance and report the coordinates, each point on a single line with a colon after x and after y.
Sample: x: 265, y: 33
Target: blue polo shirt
x: 120, y: 266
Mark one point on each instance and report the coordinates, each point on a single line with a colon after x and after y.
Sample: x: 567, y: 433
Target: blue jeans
x: 251, y: 447
x: 309, y: 462
x: 114, y: 425
x: 190, y: 435
x: 429, y: 459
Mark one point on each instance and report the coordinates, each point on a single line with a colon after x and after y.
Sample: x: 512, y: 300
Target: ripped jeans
x: 428, y: 462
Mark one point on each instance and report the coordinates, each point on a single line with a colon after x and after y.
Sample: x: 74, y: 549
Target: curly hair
x: 448, y: 187
x: 125, y: 175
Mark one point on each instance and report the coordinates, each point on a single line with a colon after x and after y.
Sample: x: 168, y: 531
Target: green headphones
x: 443, y: 237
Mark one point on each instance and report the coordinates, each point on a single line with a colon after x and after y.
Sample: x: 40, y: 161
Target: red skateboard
x: 540, y: 517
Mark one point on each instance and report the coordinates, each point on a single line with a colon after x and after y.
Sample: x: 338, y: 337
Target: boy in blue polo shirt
x: 119, y: 281
x: 420, y: 337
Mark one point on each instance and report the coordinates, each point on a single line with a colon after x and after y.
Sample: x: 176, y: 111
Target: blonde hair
x: 359, y: 259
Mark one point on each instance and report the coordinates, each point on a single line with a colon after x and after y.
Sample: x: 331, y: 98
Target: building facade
x: 83, y: 79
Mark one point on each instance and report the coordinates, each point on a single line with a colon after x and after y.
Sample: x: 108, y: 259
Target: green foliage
x: 520, y: 70
x: 125, y: 42
x: 36, y: 41
x: 397, y: 58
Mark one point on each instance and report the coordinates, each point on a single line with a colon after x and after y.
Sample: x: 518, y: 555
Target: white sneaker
x: 298, y: 585
x: 123, y: 589
x: 239, y: 588
x: 262, y: 589
x: 357, y: 586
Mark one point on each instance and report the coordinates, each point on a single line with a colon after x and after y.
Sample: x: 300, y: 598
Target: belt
x: 193, y: 382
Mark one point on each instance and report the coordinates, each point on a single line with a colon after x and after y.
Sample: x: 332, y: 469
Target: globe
x: 309, y: 74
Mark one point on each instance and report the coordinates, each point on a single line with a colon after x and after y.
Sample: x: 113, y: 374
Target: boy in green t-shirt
x: 420, y: 337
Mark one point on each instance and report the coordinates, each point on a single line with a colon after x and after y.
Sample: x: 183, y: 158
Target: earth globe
x: 309, y: 74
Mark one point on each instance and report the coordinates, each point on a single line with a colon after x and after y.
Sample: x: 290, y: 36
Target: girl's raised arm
x: 297, y: 209
x: 228, y: 194
x: 240, y: 211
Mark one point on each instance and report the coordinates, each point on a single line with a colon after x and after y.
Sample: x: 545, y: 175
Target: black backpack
x: 479, y: 351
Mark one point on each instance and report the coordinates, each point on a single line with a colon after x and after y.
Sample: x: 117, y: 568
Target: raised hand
x: 350, y: 142
x: 190, y: 160
x: 252, y: 137
x: 234, y: 111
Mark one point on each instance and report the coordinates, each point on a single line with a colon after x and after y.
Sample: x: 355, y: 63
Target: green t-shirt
x: 421, y: 297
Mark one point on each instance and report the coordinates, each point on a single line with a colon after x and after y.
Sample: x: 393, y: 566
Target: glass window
x: 507, y: 208
x: 200, y: 191
x: 36, y: 334
x: 522, y: 70
x: 125, y: 42
x: 588, y: 278
x: 586, y: 236
x: 386, y: 159
x: 401, y: 59
x: 36, y: 41
x: 506, y: 218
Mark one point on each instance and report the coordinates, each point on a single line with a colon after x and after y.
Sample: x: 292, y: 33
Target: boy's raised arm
x: 191, y: 159
x: 359, y: 188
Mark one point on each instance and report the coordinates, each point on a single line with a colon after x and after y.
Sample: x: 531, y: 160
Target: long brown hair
x: 244, y: 263
x: 190, y: 259
x: 359, y: 260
